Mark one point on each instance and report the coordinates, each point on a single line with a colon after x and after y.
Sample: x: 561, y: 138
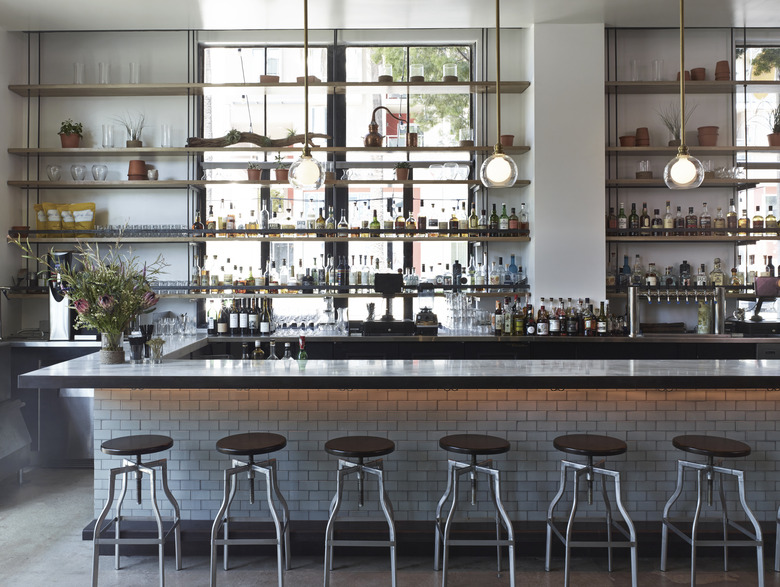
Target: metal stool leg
x: 118, y: 514
x: 217, y: 523
x: 725, y: 521
x: 631, y: 529
x: 665, y: 519
x: 335, y: 506
x: 448, y: 527
x: 608, y: 509
x: 388, y: 511
x: 237, y: 470
x: 285, y: 513
x: 176, y: 513
x: 695, y: 525
x: 439, y: 526
x: 758, y: 535
x: 551, y: 513
x: 158, y: 519
x: 507, y: 522
x: 570, y: 528
x: 99, y: 524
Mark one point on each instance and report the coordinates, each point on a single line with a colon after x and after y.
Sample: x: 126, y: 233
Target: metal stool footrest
x: 455, y: 470
x: 222, y: 520
x: 140, y: 469
x: 360, y: 470
x: 589, y: 471
x: 706, y: 472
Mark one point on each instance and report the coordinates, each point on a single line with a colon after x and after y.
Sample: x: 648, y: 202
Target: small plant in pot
x: 282, y: 169
x: 402, y: 169
x: 134, y: 125
x: 670, y: 116
x: 70, y: 133
x: 253, y: 170
x: 774, y: 123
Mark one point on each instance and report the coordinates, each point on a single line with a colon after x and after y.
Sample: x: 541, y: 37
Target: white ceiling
x: 23, y: 15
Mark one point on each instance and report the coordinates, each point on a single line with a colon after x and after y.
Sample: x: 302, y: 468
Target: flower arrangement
x: 107, y: 291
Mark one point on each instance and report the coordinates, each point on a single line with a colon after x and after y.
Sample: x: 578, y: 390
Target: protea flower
x: 106, y: 301
x: 81, y: 305
x: 150, y: 299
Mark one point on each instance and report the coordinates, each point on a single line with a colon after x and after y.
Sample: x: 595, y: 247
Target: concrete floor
x: 41, y: 545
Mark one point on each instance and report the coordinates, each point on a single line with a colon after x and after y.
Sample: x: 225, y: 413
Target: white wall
x: 567, y: 147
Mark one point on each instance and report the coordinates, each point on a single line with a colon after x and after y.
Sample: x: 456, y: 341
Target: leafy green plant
x: 254, y: 165
x: 774, y: 120
x: 281, y: 163
x: 68, y: 127
x: 403, y: 165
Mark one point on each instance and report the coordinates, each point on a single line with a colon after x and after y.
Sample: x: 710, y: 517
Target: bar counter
x: 416, y: 402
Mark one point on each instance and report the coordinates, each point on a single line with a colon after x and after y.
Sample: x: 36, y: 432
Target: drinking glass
x: 78, y: 72
x: 53, y: 171
x: 416, y: 72
x: 78, y: 172
x: 108, y: 136
x: 165, y: 135
x: 450, y: 71
x: 99, y: 172
x: 135, y: 72
x: 104, y: 72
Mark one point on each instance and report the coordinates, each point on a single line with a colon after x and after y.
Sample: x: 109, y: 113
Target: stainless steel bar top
x: 411, y: 374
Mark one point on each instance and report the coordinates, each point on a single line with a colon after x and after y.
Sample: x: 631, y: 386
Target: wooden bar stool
x: 472, y: 445
x: 250, y: 445
x: 590, y: 445
x: 360, y: 448
x: 136, y: 446
x: 712, y: 447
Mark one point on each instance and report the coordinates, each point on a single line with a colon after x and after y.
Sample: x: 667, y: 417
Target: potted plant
x: 253, y: 170
x: 670, y: 116
x: 70, y: 133
x: 108, y: 291
x: 402, y: 170
x: 134, y: 125
x: 282, y: 168
x: 774, y: 123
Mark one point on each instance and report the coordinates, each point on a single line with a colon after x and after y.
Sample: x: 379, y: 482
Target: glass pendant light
x: 684, y: 172
x: 498, y: 170
x: 306, y: 172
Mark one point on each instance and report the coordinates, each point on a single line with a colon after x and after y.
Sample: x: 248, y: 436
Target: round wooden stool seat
x: 143, y: 444
x: 474, y: 444
x: 359, y: 446
x: 251, y: 443
x: 590, y: 445
x: 711, y: 446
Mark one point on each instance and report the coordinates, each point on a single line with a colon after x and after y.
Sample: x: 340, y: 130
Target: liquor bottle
x: 498, y: 319
x: 265, y: 318
x: 770, y: 222
x: 473, y: 221
x: 717, y: 277
x: 227, y: 278
x: 651, y: 276
x: 512, y: 270
x: 330, y: 223
x: 633, y: 221
x: 221, y: 218
x: 253, y: 318
x: 433, y: 222
x: 354, y: 273
x: 657, y: 223
x: 375, y: 226
x: 311, y: 219
x: 343, y: 225
x: 554, y: 318
x: 463, y: 220
x: 519, y: 320
x: 602, y: 327
x: 212, y: 315
x: 197, y: 225
x: 264, y: 218
x: 588, y: 319
x: 731, y: 218
x: 444, y: 223
x: 638, y: 272
x: 246, y: 354
x: 230, y: 221
x: 354, y: 220
x: 705, y: 221
x: 214, y: 276
x: 257, y: 352
x: 493, y: 222
x: 482, y: 224
x: 342, y: 274
x: 320, y: 224
x: 679, y: 222
x: 719, y: 222
x: 455, y: 223
x: 211, y: 223
x: 272, y: 351
x: 400, y: 221
x: 770, y: 268
x: 572, y: 321
x: 668, y: 219
x: 522, y: 216
x: 223, y: 321
x: 701, y: 277
x: 233, y: 327
x: 422, y: 219
x: 542, y: 320
x: 625, y: 274
x: 508, y: 329
x: 503, y: 220
x: 691, y: 222
x: 743, y: 223
x: 243, y: 318
x: 274, y: 226
x: 622, y: 220
x: 287, y: 359
x: 668, y: 279
x: 735, y: 278
x: 411, y: 223
x: 530, y: 322
x: 686, y: 280
x: 758, y: 220
x: 303, y: 356
x: 644, y: 220
x: 611, y: 221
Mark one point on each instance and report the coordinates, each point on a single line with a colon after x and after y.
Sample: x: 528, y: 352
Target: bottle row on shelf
x: 358, y: 276
x: 686, y: 276
x: 556, y: 318
x: 703, y: 223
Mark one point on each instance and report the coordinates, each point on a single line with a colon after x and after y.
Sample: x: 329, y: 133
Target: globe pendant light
x: 498, y: 170
x: 684, y: 172
x: 306, y: 172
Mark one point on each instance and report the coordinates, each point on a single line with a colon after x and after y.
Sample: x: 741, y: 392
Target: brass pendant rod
x: 682, y: 76
x: 498, y: 75
x: 306, y: 77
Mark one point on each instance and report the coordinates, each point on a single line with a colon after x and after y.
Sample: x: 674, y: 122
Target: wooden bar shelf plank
x: 311, y: 239
x: 183, y: 183
x: 691, y: 87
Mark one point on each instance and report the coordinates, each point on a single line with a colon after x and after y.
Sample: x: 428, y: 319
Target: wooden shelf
x: 310, y: 239
x: 723, y: 238
x: 741, y: 184
x: 198, y: 89
x: 671, y: 151
x: 181, y: 183
x: 691, y: 87
x: 183, y: 151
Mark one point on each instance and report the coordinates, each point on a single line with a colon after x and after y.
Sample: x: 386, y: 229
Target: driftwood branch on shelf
x: 253, y: 138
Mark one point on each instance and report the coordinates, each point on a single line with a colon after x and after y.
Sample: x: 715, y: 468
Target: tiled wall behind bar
x: 416, y: 419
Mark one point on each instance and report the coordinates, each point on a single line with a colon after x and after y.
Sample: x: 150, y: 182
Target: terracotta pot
x: 708, y: 140
x: 269, y: 79
x: 282, y: 174
x: 774, y: 139
x: 313, y: 79
x: 402, y: 173
x: 708, y: 130
x: 698, y: 73
x: 385, y: 78
x: 687, y: 75
x: 628, y: 141
x: 137, y: 167
x: 642, y: 133
x: 506, y: 140
x: 70, y: 141
x: 253, y: 174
